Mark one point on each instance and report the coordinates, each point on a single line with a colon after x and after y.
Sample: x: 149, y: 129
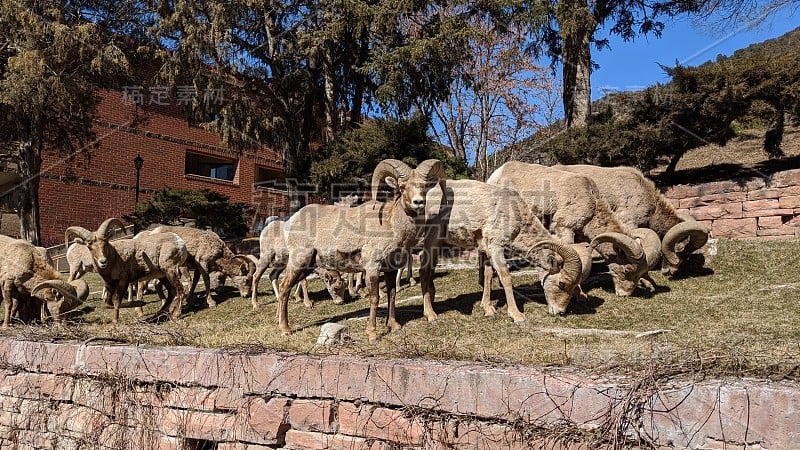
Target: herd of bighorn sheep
x: 552, y: 218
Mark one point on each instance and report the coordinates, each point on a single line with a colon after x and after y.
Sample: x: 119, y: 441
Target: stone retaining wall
x: 758, y: 207
x: 73, y: 395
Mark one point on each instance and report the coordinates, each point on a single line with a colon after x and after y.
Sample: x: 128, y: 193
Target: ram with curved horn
x: 25, y: 275
x: 125, y: 261
x: 371, y: 237
x: 208, y: 254
x: 636, y: 202
x: 574, y: 210
x: 493, y: 220
x: 639, y: 248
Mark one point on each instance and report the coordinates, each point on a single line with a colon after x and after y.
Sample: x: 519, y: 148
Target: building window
x: 269, y: 178
x: 210, y: 167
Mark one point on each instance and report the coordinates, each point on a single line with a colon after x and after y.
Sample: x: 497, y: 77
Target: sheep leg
x: 485, y: 275
x: 207, y: 281
x: 289, y: 280
x: 426, y: 269
x: 260, y: 269
x: 301, y: 293
x: 8, y: 299
x: 117, y: 292
x: 174, y: 279
x: 389, y: 278
x: 498, y: 261
x: 373, y: 286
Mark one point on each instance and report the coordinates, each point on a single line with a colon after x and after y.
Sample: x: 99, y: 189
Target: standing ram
x: 208, y: 253
x: 125, y: 261
x: 577, y: 212
x: 371, y: 237
x: 274, y: 255
x: 476, y: 215
x: 636, y: 202
x: 25, y: 275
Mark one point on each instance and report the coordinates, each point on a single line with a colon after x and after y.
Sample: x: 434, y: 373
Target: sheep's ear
x: 392, y: 182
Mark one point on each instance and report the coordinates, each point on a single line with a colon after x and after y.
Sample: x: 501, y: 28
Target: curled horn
x: 107, y: 226
x: 251, y: 266
x: 252, y: 259
x: 76, y: 231
x: 695, y: 231
x: 571, y: 270
x: 385, y: 168
x: 650, y: 243
x: 67, y: 290
x: 433, y: 171
x: 633, y: 251
x: 81, y: 289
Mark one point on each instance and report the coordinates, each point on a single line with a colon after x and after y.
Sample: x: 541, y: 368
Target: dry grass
x: 735, y: 312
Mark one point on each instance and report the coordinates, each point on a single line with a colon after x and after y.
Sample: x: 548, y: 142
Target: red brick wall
x: 73, y: 395
x: 759, y: 207
x: 99, y: 183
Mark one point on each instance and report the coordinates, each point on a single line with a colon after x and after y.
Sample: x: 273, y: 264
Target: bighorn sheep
x: 636, y: 202
x: 25, y: 274
x: 496, y: 222
x: 576, y: 211
x: 124, y: 261
x: 274, y: 255
x: 208, y: 253
x: 371, y: 237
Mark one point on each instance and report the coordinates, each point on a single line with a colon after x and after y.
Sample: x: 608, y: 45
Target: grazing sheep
x: 637, y: 202
x: 125, y: 261
x: 25, y: 275
x: 371, y: 237
x: 208, y: 253
x: 577, y: 213
x: 274, y: 255
x: 495, y: 221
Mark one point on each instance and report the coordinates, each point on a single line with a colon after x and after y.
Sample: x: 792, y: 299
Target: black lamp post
x: 138, y: 162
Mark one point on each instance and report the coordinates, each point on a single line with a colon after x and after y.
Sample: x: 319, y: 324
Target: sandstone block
x: 766, y: 193
x: 734, y: 228
x: 767, y: 212
x: 379, y: 423
x: 263, y: 421
x: 789, y: 201
x: 770, y: 222
x: 713, y: 212
x: 782, y: 231
x: 785, y: 178
x: 306, y: 440
x: 755, y: 205
x: 712, y: 199
x: 312, y: 415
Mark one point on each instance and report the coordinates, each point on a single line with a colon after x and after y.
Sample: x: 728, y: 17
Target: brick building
x: 100, y: 183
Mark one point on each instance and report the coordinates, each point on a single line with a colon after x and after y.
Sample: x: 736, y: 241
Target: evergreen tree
x: 52, y: 61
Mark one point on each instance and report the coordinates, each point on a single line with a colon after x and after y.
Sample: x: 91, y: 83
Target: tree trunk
x: 577, y: 25
x: 27, y: 192
x: 774, y: 135
x: 331, y: 106
x: 359, y: 80
x: 673, y: 163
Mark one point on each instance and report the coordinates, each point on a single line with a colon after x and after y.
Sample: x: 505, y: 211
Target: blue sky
x: 627, y: 66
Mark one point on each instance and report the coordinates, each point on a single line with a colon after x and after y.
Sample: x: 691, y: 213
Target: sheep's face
x: 625, y: 276
x: 557, y: 294
x: 99, y: 249
x: 412, y: 191
x: 244, y: 284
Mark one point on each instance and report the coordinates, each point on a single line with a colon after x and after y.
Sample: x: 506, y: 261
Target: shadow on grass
x: 728, y: 171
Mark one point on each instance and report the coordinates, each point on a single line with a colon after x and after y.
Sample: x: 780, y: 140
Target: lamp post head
x: 138, y: 162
